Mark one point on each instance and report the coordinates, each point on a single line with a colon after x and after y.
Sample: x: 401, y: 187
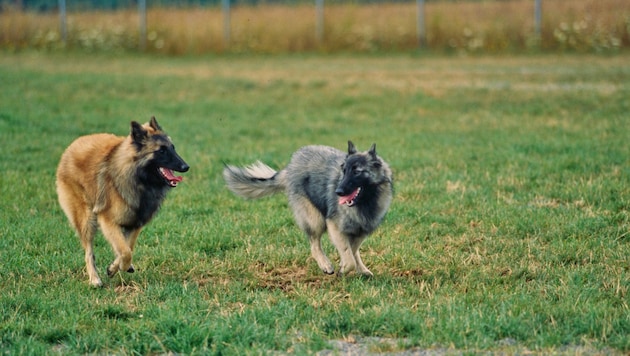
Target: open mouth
x: 350, y: 199
x: 171, y: 178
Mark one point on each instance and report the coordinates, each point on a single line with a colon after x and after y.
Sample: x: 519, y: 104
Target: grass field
x: 509, y: 230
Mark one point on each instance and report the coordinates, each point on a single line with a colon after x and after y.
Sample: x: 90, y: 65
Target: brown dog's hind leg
x: 87, y: 239
x: 86, y: 232
x: 82, y: 220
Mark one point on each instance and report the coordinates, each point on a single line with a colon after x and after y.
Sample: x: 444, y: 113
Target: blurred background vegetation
x: 184, y: 27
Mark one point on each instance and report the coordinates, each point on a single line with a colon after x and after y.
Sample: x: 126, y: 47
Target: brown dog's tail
x: 255, y: 181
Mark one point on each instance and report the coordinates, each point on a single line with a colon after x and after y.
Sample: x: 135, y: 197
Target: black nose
x: 184, y: 168
x: 339, y: 191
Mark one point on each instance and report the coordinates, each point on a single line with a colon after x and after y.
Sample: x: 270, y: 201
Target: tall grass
x: 487, y: 26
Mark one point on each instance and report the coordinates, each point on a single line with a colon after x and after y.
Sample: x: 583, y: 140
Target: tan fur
x: 97, y: 186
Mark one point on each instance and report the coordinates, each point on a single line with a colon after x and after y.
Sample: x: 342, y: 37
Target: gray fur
x: 313, y: 181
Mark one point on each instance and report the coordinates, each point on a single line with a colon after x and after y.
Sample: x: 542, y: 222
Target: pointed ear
x: 154, y: 124
x: 372, y: 151
x: 138, y: 133
x: 351, y: 149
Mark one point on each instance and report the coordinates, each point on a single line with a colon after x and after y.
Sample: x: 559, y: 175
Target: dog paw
x: 111, y: 270
x: 366, y: 274
x: 344, y: 269
x: 328, y: 269
x: 96, y: 283
x: 325, y: 265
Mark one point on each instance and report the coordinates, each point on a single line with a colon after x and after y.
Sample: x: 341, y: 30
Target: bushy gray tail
x: 255, y: 181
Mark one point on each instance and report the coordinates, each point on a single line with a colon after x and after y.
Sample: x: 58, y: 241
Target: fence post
x: 142, y: 11
x: 63, y: 22
x: 225, y: 5
x: 319, y: 20
x: 420, y: 25
x: 538, y: 20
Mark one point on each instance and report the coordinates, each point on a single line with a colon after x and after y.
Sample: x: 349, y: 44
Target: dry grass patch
x: 465, y: 27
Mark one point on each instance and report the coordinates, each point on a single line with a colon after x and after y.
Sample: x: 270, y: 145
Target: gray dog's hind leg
x: 311, y: 221
x: 318, y: 254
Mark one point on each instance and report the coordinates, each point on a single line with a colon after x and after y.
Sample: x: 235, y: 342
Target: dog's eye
x: 162, y: 150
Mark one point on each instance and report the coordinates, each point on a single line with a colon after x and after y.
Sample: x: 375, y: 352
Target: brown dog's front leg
x: 115, y: 237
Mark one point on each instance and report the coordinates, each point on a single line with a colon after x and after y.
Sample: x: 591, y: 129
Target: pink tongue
x: 168, y: 174
x: 348, y: 198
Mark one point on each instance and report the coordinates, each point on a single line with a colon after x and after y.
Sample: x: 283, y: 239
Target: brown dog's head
x: 157, y: 158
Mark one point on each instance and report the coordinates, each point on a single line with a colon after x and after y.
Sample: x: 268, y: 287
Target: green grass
x: 509, y: 230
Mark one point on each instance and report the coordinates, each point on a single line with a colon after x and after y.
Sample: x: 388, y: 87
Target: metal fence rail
x: 319, y: 28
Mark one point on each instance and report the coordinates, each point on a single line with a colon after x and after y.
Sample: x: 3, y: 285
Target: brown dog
x: 117, y: 183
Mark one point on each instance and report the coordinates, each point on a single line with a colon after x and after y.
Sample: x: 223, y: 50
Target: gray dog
x: 328, y: 190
